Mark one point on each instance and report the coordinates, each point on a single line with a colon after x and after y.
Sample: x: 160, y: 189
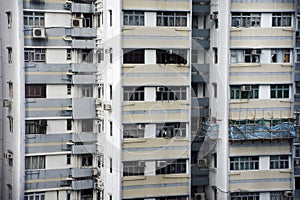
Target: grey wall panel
x: 84, y: 67
x: 43, y: 67
x: 82, y: 184
x: 84, y: 79
x: 47, y: 42
x: 48, y: 113
x: 83, y: 8
x: 47, y: 173
x: 84, y: 137
x: 84, y: 149
x: 84, y: 32
x: 63, y: 147
x: 84, y: 172
x: 45, y: 138
x: 47, y: 103
x: 48, y: 79
x: 83, y: 44
x: 84, y: 108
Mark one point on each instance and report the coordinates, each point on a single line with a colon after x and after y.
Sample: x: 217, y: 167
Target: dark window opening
x: 136, y: 56
x: 35, y: 126
x: 171, y: 56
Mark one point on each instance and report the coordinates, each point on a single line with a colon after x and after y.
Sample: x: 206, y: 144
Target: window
x: 10, y: 89
x: 195, y: 22
x: 87, y: 20
x: 111, y: 128
x: 69, y: 124
x: 110, y: 197
x: 194, y: 56
x: 171, y: 130
x: 110, y: 92
x: 110, y: 165
x: 215, y: 55
x: 110, y: 55
x: 133, y: 18
x: 87, y: 55
x: 35, y: 162
x: 69, y: 54
x: 134, y: 93
x: 11, y: 123
x: 244, y: 196
x: 110, y: 17
x: 99, y: 19
x: 133, y: 130
x: 245, y: 56
x: 9, y: 54
x: 280, y: 55
x: 244, y: 163
x: 68, y: 159
x: 136, y: 56
x: 86, y: 194
x: 171, y: 93
x: 298, y: 55
x: 34, y: 196
x: 9, y: 19
x: 34, y: 19
x: 282, y: 19
x: 69, y: 89
x: 35, y: 126
x: 171, y: 56
x: 297, y: 151
x: 215, y: 89
x: 35, y: 55
x: 35, y: 91
x: 279, y: 162
x: 86, y: 160
x: 280, y: 91
x: 245, y: 19
x: 171, y: 167
x: 87, y: 125
x: 100, y: 55
x: 215, y: 159
x: 133, y: 168
x: 87, y: 90
x: 171, y: 19
x: 277, y: 196
x: 244, y: 92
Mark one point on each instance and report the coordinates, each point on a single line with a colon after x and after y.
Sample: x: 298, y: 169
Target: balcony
x: 200, y: 78
x: 82, y: 184
x: 83, y: 7
x: 80, y: 173
x: 83, y: 44
x: 84, y: 149
x: 84, y: 67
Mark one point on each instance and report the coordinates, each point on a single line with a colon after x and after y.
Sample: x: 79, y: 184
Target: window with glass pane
x: 281, y: 19
x: 244, y: 163
x: 171, y: 19
x: 170, y: 130
x: 35, y: 162
x: 280, y: 55
x: 34, y: 19
x: 34, y: 196
x: 171, y: 167
x: 86, y: 160
x: 35, y: 55
x: 35, y: 91
x: 244, y: 196
x: 297, y: 151
x: 35, y: 126
x: 133, y: 130
x: 245, y: 55
x: 134, y: 93
x: 279, y: 162
x: 171, y: 56
x: 280, y: 91
x: 134, y: 56
x: 246, y: 19
x: 133, y: 18
x: 277, y: 196
x: 133, y: 168
x: 171, y: 93
x: 237, y: 93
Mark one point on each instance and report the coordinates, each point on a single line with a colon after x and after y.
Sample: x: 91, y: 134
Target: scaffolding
x: 269, y: 128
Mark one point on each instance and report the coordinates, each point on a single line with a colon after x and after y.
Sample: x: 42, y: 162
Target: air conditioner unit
x: 160, y: 89
x: 200, y: 196
x: 7, y: 103
x: 202, y: 162
x: 288, y: 194
x: 76, y: 22
x: 38, y: 33
x: 8, y: 155
x: 246, y: 88
x: 161, y: 163
x: 107, y: 106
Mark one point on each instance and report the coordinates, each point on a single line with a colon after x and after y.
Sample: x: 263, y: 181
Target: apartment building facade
x: 149, y: 99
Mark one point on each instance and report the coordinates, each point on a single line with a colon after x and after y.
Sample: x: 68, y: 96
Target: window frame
x: 35, y: 162
x: 282, y: 19
x: 133, y: 168
x: 280, y: 91
x: 171, y: 56
x: 35, y: 91
x: 280, y: 55
x: 244, y: 196
x: 133, y: 56
x: 237, y: 94
x: 242, y: 163
x: 178, y: 166
x: 171, y: 93
x: 37, y: 18
x: 245, y: 56
x: 133, y: 18
x: 244, y: 19
x: 133, y: 131
x: 170, y: 130
x: 279, y: 162
x: 34, y: 196
x: 171, y: 19
x: 35, y: 126
x: 133, y: 93
x: 35, y: 55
